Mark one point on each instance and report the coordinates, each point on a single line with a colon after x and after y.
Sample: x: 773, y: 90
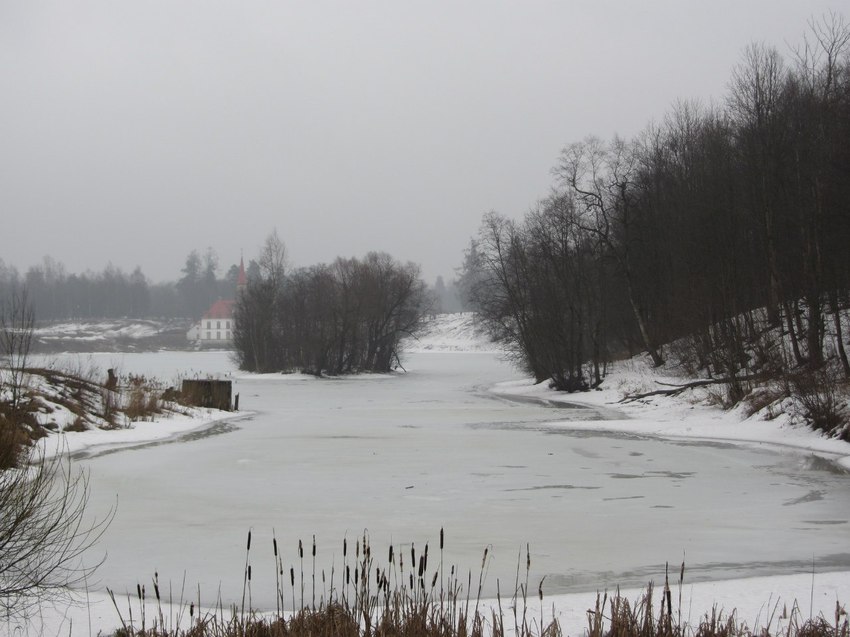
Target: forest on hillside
x: 722, y: 229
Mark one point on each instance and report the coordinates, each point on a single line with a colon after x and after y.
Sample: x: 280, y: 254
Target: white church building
x: 215, y: 328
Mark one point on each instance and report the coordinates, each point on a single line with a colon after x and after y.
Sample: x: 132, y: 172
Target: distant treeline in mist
x: 337, y: 318
x: 112, y: 293
x: 722, y: 224
x: 57, y: 295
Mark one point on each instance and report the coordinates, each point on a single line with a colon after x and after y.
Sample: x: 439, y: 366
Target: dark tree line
x: 111, y: 293
x: 56, y: 294
x: 328, y: 319
x: 708, y: 228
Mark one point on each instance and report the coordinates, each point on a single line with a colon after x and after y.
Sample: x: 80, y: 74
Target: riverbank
x: 317, y: 444
x: 690, y: 415
x: 764, y: 605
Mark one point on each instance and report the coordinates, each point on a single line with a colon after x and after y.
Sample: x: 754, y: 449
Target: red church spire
x: 242, y: 280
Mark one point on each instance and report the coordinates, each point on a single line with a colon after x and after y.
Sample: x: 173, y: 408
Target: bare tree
x: 756, y: 106
x: 601, y: 177
x: 44, y: 533
x: 273, y: 259
x: 17, y: 322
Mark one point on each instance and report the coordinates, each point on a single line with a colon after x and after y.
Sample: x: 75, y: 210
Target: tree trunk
x: 792, y: 333
x: 839, y: 336
x: 648, y: 344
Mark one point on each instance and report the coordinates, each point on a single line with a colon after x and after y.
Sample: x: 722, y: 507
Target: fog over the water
x: 132, y: 132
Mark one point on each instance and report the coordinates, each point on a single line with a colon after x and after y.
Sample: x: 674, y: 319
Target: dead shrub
x: 819, y: 393
x: 762, y: 398
x: 142, y: 398
x: 79, y: 424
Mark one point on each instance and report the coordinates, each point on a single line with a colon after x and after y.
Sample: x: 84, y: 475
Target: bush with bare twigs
x: 44, y: 533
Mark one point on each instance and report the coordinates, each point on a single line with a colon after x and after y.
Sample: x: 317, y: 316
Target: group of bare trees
x: 327, y: 319
x: 692, y: 229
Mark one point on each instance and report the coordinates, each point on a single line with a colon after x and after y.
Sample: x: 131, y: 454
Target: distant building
x: 217, y: 324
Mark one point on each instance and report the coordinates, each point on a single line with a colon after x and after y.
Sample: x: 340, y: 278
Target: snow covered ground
x: 111, y: 335
x: 99, y: 330
x: 458, y: 332
x: 688, y: 416
x: 604, y: 494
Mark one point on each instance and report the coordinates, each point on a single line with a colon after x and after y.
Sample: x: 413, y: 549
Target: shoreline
x: 675, y: 418
x: 672, y: 418
x: 757, y: 601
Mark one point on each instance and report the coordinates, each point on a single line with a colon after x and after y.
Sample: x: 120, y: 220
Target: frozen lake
x: 405, y: 455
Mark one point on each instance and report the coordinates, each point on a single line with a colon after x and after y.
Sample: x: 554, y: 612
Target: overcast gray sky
x: 134, y: 131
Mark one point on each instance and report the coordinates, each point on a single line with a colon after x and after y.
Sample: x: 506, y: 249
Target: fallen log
x: 678, y: 389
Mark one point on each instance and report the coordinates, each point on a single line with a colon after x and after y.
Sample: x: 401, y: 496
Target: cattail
x: 344, y: 547
x: 434, y: 580
x: 412, y: 555
x: 411, y: 580
x: 139, y: 591
x: 300, y: 550
x: 156, y: 590
x: 540, y: 590
x: 249, y: 541
x: 356, y: 575
x: 292, y: 575
x: 391, y: 553
x: 528, y: 557
x: 426, y: 556
x: 347, y: 574
x: 249, y: 572
x: 274, y: 543
x: 421, y: 565
x: 484, y: 559
x: 314, y: 546
x: 441, y: 538
x: 191, y: 610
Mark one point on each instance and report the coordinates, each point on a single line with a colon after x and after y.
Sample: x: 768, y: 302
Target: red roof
x: 220, y: 310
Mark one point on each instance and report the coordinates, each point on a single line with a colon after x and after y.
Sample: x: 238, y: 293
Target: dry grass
x: 61, y: 400
x: 142, y: 400
x: 409, y: 599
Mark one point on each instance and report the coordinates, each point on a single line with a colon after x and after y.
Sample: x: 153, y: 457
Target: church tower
x: 242, y: 280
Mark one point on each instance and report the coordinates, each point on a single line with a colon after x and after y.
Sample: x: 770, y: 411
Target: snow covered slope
x: 114, y: 335
x: 458, y: 332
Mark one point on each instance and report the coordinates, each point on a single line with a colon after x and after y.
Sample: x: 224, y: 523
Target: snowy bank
x: 759, y: 602
x: 677, y: 417
x: 459, y: 332
x: 161, y: 428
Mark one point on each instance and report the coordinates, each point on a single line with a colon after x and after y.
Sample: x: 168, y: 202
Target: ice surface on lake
x: 403, y: 455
